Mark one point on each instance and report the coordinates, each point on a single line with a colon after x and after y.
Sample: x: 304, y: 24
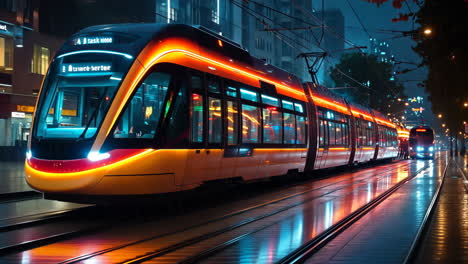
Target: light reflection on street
x: 315, y: 217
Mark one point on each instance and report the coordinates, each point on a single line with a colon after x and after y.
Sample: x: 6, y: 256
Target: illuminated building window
x: 40, y: 60
x: 172, y: 14
x: 6, y: 54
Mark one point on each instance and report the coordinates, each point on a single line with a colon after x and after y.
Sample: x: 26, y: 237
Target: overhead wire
x: 250, y: 11
x: 358, y: 18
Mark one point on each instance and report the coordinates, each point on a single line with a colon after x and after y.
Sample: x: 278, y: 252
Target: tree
x: 445, y: 53
x: 377, y: 91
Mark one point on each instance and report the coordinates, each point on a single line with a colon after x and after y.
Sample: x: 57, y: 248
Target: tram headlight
x: 419, y: 148
x: 96, y: 156
x: 431, y: 149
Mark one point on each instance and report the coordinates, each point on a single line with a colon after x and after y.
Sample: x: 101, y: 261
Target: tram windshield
x: 77, y: 93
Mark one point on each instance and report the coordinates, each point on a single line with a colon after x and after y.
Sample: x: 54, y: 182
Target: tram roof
x: 137, y: 35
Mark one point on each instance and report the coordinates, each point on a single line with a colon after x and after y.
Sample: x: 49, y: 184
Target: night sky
x: 380, y: 18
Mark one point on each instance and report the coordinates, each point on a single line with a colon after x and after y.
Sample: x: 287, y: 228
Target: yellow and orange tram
x: 140, y: 109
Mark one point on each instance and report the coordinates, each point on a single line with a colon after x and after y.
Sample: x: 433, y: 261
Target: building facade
x: 25, y: 54
x: 381, y: 49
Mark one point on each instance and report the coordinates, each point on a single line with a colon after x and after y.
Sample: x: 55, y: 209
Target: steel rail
x: 40, y: 218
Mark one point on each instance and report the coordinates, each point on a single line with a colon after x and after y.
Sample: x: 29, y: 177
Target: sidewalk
x: 12, y: 177
x: 446, y: 239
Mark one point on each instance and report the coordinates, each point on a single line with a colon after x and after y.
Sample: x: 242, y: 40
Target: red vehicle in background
x: 421, y: 142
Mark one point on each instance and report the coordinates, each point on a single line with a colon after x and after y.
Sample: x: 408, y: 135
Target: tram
x: 142, y: 109
x: 421, y: 142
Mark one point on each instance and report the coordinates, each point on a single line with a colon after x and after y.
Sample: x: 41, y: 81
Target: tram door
x: 206, y: 130
x: 322, y: 151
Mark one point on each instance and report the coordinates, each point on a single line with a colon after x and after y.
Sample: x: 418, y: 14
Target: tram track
x: 64, y: 214
x: 49, y: 227
x: 306, y: 250
x: 320, y: 240
x: 205, y: 236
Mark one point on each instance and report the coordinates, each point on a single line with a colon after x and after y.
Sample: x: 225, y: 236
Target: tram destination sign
x: 94, y: 67
x: 93, y: 40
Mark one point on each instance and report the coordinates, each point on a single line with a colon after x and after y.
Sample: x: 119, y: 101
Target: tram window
x: 270, y: 100
x: 346, y: 134
x: 301, y: 129
x: 338, y: 134
x: 321, y: 133
x: 272, y: 125
x: 332, y: 133
x: 70, y: 109
x: 197, y: 82
x: 231, y: 91
x: 232, y: 123
x: 288, y: 105
x: 197, y: 118
x: 370, y: 137
x: 213, y: 85
x: 142, y: 114
x: 214, y: 120
x: 298, y: 107
x: 250, y: 124
x: 289, y: 128
x: 175, y: 134
x: 249, y: 95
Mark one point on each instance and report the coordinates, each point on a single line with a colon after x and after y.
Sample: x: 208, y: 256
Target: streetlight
x: 427, y: 31
x: 406, y: 103
x: 465, y: 104
x: 443, y: 125
x: 440, y: 115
